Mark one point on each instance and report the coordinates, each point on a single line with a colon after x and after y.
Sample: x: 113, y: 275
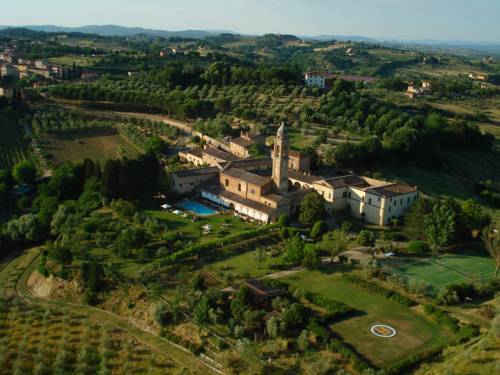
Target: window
x: 379, y: 199
x: 363, y: 199
x: 369, y: 201
x: 344, y: 194
x: 389, y: 209
x: 227, y: 182
x: 414, y: 198
x: 408, y: 200
x: 350, y: 195
x: 395, y: 203
x: 401, y: 201
x: 239, y: 187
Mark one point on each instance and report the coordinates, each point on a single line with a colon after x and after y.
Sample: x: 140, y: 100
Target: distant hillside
x: 114, y: 30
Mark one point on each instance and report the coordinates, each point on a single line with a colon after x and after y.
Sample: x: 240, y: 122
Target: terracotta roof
x: 343, y: 181
x: 243, y: 142
x: 298, y: 154
x: 196, y: 172
x: 194, y: 151
x: 308, y: 179
x: 249, y: 177
x: 247, y: 163
x: 392, y: 190
x: 220, y: 154
x: 276, y: 198
x: 262, y: 290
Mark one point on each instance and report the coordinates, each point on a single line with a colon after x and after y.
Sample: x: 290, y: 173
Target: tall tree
x: 491, y: 240
x: 440, y: 226
x: 312, y: 209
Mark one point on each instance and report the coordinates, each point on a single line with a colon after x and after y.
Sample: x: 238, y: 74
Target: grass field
x: 88, y: 144
x: 189, y: 232
x: 12, y: 146
x: 414, y: 331
x: 78, y: 60
x: 445, y: 270
x: 246, y: 265
x: 222, y: 225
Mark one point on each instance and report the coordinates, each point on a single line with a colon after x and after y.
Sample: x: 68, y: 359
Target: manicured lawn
x: 414, y: 331
x: 246, y: 265
x: 445, y: 270
x: 222, y: 225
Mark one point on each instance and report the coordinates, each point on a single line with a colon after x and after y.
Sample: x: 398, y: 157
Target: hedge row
x: 346, y: 351
x: 198, y: 249
x: 334, y: 309
x: 389, y: 294
x: 444, y: 319
x: 412, y: 361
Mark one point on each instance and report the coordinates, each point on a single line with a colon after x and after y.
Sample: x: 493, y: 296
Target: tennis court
x: 438, y: 272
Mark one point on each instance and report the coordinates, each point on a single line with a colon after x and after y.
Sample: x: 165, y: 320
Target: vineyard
x: 44, y: 341
x: 13, y: 147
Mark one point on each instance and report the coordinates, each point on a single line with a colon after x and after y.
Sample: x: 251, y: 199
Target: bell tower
x: 280, y: 160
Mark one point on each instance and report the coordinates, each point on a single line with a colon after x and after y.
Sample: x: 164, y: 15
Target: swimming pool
x: 197, y: 208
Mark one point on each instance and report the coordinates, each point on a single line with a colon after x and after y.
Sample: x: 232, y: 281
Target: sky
x: 465, y: 20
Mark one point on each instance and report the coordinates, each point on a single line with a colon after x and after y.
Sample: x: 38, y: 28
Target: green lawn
x: 445, y: 270
x: 414, y: 331
x: 222, y: 225
x: 246, y: 265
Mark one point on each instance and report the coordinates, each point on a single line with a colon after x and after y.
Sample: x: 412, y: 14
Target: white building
x: 316, y: 79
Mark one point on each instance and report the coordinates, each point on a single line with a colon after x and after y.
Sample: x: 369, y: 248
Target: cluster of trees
x: 444, y: 222
x: 177, y: 103
x: 49, y: 120
x: 421, y: 140
x: 131, y: 178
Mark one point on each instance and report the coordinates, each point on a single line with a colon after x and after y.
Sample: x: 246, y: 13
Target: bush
x: 418, y: 247
x: 444, y: 319
x: 334, y: 309
x: 318, y: 229
x: 458, y: 293
x: 283, y: 221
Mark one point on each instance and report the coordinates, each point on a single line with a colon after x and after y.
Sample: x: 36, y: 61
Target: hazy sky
x: 474, y: 20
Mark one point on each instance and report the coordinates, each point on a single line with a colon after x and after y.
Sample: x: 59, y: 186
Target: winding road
x: 30, y: 258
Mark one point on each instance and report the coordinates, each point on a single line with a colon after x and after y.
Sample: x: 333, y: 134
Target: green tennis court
x: 438, y: 272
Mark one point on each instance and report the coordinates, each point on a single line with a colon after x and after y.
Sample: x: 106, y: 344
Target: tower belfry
x: 280, y: 160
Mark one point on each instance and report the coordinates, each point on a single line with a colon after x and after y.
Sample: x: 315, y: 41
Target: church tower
x: 280, y: 160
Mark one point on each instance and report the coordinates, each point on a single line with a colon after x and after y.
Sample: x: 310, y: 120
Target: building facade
x: 264, y: 189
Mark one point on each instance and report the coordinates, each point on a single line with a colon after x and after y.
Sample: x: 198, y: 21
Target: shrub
x: 283, y: 221
x: 334, y: 309
x: 418, y: 247
x: 443, y: 318
x: 318, y: 229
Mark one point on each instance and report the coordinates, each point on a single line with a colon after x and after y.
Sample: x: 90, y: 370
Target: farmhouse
x: 241, y: 146
x: 324, y: 80
x: 264, y: 189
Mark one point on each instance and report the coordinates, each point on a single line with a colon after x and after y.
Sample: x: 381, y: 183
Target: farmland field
x: 445, y: 270
x: 12, y: 146
x: 414, y: 331
x: 88, y: 144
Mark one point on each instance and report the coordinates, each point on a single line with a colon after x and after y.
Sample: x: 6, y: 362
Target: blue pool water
x: 197, y: 208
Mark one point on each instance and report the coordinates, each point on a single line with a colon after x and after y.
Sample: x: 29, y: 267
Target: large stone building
x: 264, y: 189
